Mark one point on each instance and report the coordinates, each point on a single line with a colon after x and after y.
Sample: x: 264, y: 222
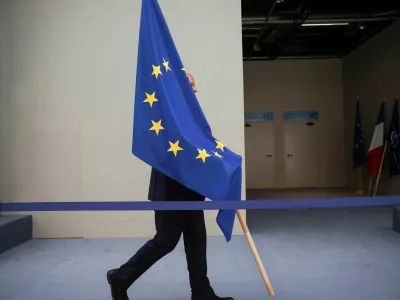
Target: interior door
x: 259, y: 143
x: 301, y: 155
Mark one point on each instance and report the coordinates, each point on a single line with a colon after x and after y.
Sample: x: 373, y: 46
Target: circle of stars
x: 174, y: 148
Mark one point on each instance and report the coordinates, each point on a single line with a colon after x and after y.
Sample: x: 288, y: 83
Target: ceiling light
x: 360, y: 25
x: 323, y: 24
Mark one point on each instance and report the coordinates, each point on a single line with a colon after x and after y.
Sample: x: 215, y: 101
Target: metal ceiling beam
x: 264, y: 28
x: 325, y: 19
x: 296, y: 23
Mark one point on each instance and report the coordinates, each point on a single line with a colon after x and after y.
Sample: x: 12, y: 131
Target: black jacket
x: 164, y: 188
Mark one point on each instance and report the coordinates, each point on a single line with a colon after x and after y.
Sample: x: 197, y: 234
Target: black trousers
x: 170, y: 225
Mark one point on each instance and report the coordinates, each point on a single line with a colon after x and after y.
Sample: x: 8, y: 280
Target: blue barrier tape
x: 202, y: 205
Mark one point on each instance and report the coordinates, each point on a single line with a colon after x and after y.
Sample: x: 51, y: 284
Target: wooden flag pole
x: 370, y: 185
x: 380, y: 169
x: 255, y: 254
x: 360, y: 191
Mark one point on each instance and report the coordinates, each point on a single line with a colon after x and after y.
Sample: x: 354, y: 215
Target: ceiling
x: 274, y: 29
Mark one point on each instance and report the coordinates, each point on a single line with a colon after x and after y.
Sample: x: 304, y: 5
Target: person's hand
x: 191, y: 80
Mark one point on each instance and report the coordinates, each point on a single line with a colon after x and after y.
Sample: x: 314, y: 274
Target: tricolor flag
x: 170, y: 131
x: 375, y: 151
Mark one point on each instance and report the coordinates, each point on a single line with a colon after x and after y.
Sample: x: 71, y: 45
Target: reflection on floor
x: 300, y: 193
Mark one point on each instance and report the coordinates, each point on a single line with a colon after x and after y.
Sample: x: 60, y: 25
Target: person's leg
x: 169, y: 226
x: 195, y: 240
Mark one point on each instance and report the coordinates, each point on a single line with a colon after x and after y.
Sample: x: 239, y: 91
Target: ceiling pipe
x: 249, y: 35
x: 325, y: 18
x: 386, y: 13
x: 269, y: 58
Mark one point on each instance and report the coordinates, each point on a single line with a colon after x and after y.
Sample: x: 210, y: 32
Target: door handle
x: 269, y: 155
x: 289, y: 155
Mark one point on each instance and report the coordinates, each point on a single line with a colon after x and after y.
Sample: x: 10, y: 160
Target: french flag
x: 375, y: 151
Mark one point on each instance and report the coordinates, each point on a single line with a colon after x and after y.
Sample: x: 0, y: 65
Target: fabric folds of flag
x: 359, y: 150
x: 375, y: 151
x: 393, y: 141
x: 170, y: 131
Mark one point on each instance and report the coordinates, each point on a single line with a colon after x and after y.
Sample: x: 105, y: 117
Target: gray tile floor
x: 319, y: 254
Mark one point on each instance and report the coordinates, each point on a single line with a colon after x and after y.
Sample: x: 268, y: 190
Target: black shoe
x: 118, y: 292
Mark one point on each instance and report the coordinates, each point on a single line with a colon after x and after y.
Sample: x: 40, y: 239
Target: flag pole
x: 360, y: 191
x: 255, y: 253
x: 380, y: 170
x: 370, y: 185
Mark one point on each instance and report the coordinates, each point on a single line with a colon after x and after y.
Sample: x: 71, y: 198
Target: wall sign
x: 301, y: 115
x: 266, y: 116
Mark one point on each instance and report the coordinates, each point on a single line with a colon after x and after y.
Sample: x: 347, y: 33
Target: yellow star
x: 203, y: 155
x: 156, y: 71
x: 183, y: 69
x: 166, y: 65
x: 151, y: 99
x: 217, y: 154
x: 156, y: 126
x: 174, y: 147
x: 220, y: 145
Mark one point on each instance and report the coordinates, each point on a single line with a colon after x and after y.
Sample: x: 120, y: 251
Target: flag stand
x: 380, y: 169
x: 360, y: 191
x: 255, y: 253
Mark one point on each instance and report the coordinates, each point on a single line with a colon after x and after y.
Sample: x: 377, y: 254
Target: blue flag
x: 394, y: 143
x: 359, y: 150
x: 170, y: 131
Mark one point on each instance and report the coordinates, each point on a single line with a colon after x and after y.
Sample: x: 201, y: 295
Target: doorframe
x: 273, y: 157
x: 284, y: 153
x: 318, y: 185
x: 272, y: 126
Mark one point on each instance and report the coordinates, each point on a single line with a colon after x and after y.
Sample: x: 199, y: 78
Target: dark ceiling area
x: 274, y: 29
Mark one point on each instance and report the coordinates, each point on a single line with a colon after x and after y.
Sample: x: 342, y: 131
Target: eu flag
x: 359, y: 150
x: 394, y: 143
x: 170, y: 131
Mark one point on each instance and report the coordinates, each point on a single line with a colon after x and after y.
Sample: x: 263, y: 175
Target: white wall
x: 67, y: 85
x: 371, y: 73
x: 301, y: 85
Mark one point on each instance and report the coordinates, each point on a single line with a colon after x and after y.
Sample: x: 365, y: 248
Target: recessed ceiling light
x: 323, y: 24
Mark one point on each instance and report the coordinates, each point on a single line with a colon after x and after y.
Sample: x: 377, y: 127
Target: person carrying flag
x: 172, y: 135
